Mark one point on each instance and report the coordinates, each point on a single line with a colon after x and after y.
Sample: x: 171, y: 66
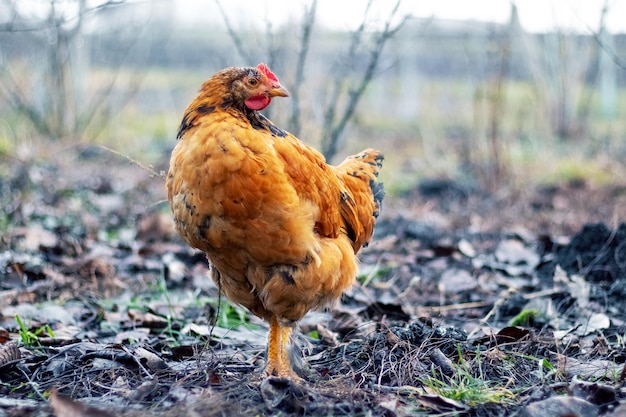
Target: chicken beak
x: 278, y: 90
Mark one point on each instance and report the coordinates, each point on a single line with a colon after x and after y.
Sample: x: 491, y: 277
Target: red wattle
x: 258, y: 102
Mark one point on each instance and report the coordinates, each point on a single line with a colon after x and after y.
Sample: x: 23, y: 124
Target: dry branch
x: 239, y: 44
x: 66, y: 114
x: 307, y: 28
x: 335, y: 124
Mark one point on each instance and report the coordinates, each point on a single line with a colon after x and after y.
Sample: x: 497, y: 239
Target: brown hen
x: 280, y: 227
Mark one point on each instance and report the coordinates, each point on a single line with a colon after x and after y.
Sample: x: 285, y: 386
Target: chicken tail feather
x: 363, y: 195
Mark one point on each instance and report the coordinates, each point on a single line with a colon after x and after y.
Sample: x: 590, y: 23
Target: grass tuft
x: 29, y: 337
x: 465, y: 387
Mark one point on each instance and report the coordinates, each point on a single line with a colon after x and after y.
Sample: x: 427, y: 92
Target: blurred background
x: 490, y: 93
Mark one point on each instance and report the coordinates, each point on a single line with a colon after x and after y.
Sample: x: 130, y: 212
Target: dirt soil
x: 467, y: 304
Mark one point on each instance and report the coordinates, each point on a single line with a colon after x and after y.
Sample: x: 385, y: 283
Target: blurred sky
x: 535, y: 15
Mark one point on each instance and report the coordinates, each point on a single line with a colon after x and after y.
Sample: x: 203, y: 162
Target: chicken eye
x: 253, y: 82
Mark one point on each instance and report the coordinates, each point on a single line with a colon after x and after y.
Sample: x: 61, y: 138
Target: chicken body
x: 280, y: 227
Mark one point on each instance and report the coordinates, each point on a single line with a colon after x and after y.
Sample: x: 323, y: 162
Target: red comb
x: 266, y: 70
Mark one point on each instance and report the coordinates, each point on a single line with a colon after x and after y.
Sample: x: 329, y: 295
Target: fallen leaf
x: 560, y: 406
x: 454, y: 281
x: 4, y: 336
x: 441, y: 404
x: 36, y: 237
x: 595, y: 322
x: 153, y: 361
x: 466, y: 248
x: 8, y: 353
x: 595, y: 392
x: 136, y: 335
x: 577, y: 286
x: 514, y: 252
x: 590, y: 369
x: 67, y: 407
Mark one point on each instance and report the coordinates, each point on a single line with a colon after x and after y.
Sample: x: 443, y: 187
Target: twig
x: 330, y: 142
x: 138, y: 362
x: 233, y: 34
x: 499, y: 302
x: 12, y: 27
x: 33, y: 385
x: 542, y: 293
x: 460, y: 306
x: 135, y: 162
x: 478, y: 304
x: 331, y: 110
x: 596, y: 34
x: 307, y: 29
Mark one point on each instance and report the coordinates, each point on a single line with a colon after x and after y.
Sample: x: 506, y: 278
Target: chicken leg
x: 278, y: 363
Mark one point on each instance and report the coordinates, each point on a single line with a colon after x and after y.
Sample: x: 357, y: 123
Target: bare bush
x: 47, y: 78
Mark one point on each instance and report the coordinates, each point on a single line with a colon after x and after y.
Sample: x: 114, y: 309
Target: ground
x: 467, y: 303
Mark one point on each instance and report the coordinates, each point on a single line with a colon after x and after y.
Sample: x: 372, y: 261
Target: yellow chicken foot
x: 278, y: 363
x: 274, y: 347
x: 287, y: 371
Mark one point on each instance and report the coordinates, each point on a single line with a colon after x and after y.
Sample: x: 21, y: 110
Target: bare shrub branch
x: 307, y: 28
x: 334, y: 123
x: 63, y: 112
x: 597, y: 36
x: 239, y: 44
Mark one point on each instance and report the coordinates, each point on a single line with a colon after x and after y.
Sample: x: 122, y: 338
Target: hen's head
x: 252, y: 88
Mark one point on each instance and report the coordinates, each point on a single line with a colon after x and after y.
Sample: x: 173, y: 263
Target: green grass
x: 232, y: 316
x: 30, y: 338
x: 369, y: 273
x: 470, y: 389
x: 525, y: 317
x: 574, y: 169
x: 160, y: 301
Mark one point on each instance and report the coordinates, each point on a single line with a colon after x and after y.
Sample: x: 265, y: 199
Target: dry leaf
x: 67, y: 407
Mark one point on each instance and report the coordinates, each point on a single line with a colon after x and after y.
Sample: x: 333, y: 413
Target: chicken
x: 279, y: 226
